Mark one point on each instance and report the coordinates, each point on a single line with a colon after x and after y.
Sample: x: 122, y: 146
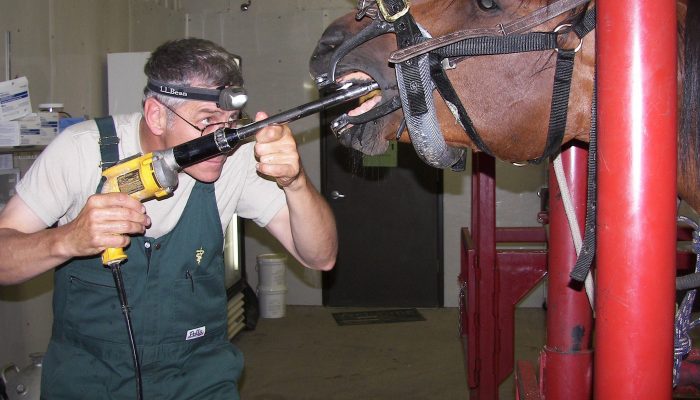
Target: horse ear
x: 155, y: 115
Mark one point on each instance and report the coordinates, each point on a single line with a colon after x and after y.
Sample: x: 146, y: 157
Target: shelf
x: 22, y: 149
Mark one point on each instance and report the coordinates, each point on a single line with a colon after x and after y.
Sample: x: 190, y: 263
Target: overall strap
x: 109, y: 145
x: 109, y: 141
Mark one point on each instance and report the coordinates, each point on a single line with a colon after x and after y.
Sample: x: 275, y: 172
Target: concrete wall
x: 62, y: 46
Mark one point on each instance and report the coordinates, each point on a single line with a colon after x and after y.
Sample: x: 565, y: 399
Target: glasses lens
x: 211, y: 128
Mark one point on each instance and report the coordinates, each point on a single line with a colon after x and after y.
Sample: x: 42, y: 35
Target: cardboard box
x: 49, y: 123
x: 38, y: 129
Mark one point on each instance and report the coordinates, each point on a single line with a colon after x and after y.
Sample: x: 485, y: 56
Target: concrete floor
x: 307, y: 356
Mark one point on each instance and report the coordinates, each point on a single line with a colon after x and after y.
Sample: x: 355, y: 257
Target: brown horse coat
x: 508, y: 96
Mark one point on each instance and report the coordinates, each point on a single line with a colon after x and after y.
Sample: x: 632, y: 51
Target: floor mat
x: 377, y: 317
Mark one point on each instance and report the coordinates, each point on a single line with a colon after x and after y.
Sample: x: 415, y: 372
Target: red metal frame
x: 636, y: 62
x: 487, y: 317
x: 565, y: 374
x: 566, y: 360
x: 636, y: 238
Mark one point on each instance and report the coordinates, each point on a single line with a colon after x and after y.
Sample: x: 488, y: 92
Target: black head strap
x: 226, y: 98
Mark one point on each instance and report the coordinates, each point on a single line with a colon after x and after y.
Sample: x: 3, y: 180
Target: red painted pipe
x: 566, y: 361
x: 636, y: 59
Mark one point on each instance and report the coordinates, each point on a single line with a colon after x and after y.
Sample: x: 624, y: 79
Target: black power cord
x: 119, y: 283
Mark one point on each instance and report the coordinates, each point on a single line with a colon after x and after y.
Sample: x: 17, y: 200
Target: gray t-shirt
x: 68, y: 171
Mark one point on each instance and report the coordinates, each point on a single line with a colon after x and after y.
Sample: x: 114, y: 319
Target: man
x: 174, y: 273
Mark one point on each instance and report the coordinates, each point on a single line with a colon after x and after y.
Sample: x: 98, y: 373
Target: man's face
x: 194, y: 119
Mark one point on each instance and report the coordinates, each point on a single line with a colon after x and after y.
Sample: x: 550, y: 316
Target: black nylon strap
x: 415, y: 93
x: 560, y: 103
x: 491, y: 45
x: 109, y: 149
x: 408, y: 33
x: 448, y: 93
x: 587, y: 24
x: 585, y: 257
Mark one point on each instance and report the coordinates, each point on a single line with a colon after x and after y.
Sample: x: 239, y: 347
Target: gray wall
x: 62, y: 46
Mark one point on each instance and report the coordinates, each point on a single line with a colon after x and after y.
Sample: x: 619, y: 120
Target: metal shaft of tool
x: 224, y: 139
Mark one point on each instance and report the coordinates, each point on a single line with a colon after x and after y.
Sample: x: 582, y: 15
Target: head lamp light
x: 228, y: 98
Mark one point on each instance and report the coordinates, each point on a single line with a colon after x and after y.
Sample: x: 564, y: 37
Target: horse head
x: 507, y: 96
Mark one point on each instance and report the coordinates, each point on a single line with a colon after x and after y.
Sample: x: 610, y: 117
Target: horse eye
x: 487, y: 5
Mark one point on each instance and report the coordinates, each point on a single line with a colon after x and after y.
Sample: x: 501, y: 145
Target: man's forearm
x: 26, y: 255
x: 313, y: 226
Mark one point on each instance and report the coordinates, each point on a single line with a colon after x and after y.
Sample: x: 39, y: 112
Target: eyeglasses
x: 208, y: 128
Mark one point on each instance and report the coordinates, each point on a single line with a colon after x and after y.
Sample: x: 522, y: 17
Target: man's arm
x: 28, y: 249
x: 306, y: 226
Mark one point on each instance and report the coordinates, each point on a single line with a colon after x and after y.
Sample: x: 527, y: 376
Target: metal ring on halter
x: 391, y: 18
x: 580, y: 40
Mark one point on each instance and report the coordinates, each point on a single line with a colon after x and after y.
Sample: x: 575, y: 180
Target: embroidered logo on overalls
x: 195, y: 333
x: 198, y: 255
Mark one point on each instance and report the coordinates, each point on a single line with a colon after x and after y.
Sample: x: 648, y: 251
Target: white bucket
x: 271, y: 271
x: 272, y: 303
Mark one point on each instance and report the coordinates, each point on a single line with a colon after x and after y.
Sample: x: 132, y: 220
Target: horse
x: 508, y: 94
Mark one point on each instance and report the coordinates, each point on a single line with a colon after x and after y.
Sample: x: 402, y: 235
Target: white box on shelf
x: 32, y: 132
x: 49, y: 123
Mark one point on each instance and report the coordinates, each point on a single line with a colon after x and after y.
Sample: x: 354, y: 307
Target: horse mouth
x: 366, y: 102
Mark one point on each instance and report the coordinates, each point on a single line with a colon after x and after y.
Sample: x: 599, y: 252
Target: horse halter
x: 421, y: 62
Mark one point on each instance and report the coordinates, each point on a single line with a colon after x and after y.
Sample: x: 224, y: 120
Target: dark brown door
x: 389, y: 226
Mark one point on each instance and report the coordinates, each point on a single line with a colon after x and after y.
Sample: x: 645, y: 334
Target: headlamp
x: 227, y: 98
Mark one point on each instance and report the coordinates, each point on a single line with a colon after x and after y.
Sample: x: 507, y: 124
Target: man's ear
x: 156, y: 116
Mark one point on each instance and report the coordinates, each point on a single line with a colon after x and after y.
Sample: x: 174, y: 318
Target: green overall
x: 175, y: 289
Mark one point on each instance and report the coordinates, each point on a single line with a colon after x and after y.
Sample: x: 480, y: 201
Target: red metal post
x: 636, y: 59
x: 483, y: 347
x: 566, y: 361
x: 493, y: 282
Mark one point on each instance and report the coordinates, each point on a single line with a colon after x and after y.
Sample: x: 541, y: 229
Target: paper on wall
x: 14, y: 99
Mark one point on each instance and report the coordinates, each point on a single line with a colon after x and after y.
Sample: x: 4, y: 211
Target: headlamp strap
x: 233, y: 98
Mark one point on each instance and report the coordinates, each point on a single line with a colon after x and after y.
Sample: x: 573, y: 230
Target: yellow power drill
x: 143, y: 177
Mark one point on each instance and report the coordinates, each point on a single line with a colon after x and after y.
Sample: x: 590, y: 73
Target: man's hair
x: 191, y: 62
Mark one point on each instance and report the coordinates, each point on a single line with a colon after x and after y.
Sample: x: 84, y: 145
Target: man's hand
x: 276, y: 152
x: 28, y: 249
x: 105, y: 221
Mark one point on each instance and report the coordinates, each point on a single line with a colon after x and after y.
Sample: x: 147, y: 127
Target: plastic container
x: 24, y: 383
x: 51, y: 107
x: 272, y: 303
x: 271, y: 271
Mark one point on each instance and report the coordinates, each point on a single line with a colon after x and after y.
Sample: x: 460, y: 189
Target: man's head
x: 182, y: 99
x: 192, y: 62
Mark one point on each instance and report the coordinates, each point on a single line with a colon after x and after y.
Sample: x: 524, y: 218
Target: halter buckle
x: 386, y: 14
x: 566, y: 26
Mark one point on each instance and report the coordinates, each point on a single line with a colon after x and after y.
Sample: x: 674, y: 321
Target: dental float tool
x: 224, y: 139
